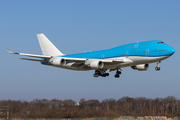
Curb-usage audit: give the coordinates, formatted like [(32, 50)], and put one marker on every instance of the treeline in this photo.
[(126, 106)]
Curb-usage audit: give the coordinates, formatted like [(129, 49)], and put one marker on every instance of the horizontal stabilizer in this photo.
[(29, 55)]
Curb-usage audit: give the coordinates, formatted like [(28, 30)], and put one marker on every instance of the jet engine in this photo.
[(141, 67), (59, 62), (96, 65)]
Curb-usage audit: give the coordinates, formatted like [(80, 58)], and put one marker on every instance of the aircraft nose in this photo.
[(172, 50)]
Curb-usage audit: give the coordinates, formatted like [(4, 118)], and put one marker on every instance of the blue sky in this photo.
[(78, 26)]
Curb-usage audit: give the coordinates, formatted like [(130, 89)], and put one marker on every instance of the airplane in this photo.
[(137, 55)]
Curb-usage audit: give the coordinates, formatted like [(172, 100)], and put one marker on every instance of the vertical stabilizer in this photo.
[(47, 47)]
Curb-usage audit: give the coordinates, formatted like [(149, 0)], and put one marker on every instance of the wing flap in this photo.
[(119, 60), (33, 55), (34, 60), (78, 60), (126, 60), (87, 61)]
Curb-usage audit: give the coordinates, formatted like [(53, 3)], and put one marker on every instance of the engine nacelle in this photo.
[(59, 62), (141, 67), (96, 65)]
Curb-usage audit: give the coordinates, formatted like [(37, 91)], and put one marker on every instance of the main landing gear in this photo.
[(100, 73), (103, 73), (158, 68), (117, 75)]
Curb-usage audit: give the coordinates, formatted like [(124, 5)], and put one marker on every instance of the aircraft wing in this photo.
[(76, 60), (29, 55)]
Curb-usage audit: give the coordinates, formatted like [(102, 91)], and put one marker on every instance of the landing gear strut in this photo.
[(117, 75), (157, 68), (100, 73)]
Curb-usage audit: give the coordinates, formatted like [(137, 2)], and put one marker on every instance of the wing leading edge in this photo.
[(79, 60)]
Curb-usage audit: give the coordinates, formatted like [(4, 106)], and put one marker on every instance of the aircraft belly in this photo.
[(134, 60), (144, 60)]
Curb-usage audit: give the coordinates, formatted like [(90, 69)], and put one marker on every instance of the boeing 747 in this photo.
[(138, 56)]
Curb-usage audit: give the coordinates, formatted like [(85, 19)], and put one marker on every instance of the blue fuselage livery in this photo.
[(153, 48), (137, 55)]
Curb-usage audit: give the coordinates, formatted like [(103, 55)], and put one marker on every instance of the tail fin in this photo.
[(47, 47)]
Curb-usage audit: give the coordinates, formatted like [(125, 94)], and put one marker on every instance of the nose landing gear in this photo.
[(158, 68)]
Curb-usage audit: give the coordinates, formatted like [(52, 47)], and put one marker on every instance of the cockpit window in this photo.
[(160, 42)]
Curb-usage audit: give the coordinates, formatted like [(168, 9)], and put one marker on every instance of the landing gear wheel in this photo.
[(107, 74), (157, 68), (116, 75), (95, 75), (100, 73)]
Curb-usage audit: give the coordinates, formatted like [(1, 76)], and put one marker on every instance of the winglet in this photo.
[(11, 52)]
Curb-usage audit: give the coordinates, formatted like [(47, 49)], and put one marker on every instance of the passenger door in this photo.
[(147, 52)]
